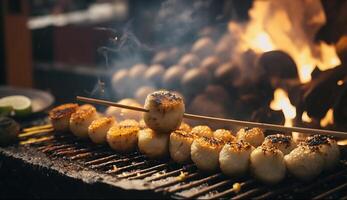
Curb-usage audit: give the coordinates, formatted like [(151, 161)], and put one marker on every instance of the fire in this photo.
[(289, 26), (328, 119), (282, 102)]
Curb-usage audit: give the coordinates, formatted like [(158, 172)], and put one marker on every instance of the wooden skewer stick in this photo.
[(229, 121)]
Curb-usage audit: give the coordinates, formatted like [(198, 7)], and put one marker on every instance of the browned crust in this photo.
[(210, 142), (101, 121), (183, 134), (128, 123), (278, 139), (239, 146), (63, 111), (165, 100), (201, 129), (83, 112), (269, 149)]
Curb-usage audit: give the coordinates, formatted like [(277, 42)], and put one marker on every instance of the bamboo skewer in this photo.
[(229, 121)]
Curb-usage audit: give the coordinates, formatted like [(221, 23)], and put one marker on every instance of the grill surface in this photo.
[(136, 171)]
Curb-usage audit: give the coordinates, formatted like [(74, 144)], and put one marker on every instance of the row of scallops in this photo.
[(267, 158)]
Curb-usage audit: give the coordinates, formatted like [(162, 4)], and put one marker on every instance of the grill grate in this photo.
[(180, 181)]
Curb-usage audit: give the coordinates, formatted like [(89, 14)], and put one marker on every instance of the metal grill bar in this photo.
[(165, 176)]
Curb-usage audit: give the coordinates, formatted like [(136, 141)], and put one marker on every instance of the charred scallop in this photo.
[(123, 137), (81, 120), (97, 130), (205, 153), (166, 111), (153, 144), (60, 116), (267, 164), (180, 145), (254, 136), (282, 142)]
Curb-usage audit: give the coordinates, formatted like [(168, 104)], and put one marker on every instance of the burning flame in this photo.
[(289, 26), (282, 102), (328, 119)]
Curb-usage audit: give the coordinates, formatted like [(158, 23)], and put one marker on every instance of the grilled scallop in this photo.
[(185, 127), (254, 136), (328, 148), (202, 131), (267, 164), (81, 119), (60, 116), (98, 129), (281, 142), (123, 137), (153, 144), (122, 113), (224, 135), (180, 145), (305, 162), (166, 111), (205, 153), (234, 158)]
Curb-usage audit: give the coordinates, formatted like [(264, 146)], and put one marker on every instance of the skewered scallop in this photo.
[(305, 162), (224, 135), (281, 142), (267, 164), (81, 119), (166, 111), (205, 153), (328, 148), (98, 129), (254, 136), (153, 144), (180, 145), (234, 158), (202, 131), (123, 137), (123, 114), (60, 116)]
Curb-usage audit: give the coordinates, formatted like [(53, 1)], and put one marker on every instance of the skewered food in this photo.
[(123, 137), (210, 63), (305, 161), (166, 111), (234, 158), (328, 147), (203, 47), (202, 131), (137, 70), (9, 130), (142, 92), (155, 73), (224, 135), (60, 116), (281, 142), (267, 164), (98, 129), (180, 145), (205, 153), (81, 119), (172, 77), (254, 136), (153, 144), (123, 114), (189, 60), (194, 81)]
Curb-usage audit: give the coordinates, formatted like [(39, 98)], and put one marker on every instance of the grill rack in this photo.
[(181, 181)]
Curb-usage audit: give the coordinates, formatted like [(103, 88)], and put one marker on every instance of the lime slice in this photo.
[(20, 104)]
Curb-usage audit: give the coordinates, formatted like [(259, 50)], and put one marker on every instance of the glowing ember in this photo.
[(328, 119), (305, 117), (282, 102)]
